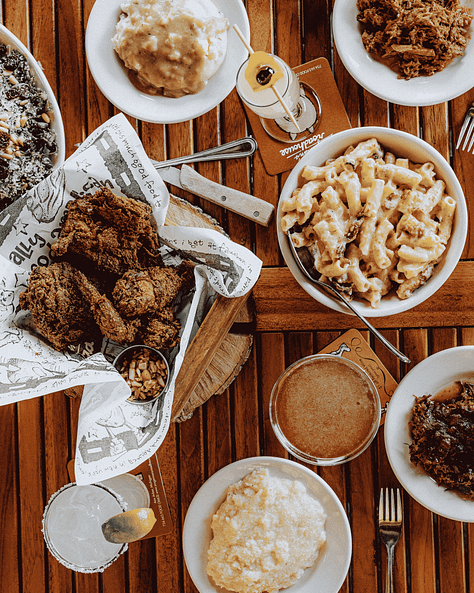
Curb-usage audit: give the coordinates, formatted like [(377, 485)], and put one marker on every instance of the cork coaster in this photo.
[(352, 345)]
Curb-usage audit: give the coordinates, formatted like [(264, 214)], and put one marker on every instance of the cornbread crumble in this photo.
[(27, 141), (265, 534)]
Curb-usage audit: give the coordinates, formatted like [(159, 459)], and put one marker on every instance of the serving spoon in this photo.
[(314, 276), (235, 149)]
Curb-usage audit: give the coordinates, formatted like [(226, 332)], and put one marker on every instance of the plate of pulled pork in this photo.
[(429, 433), (419, 55)]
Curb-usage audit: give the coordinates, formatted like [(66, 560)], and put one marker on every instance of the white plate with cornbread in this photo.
[(328, 572), (112, 76)]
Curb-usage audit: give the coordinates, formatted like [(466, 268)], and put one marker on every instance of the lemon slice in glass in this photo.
[(129, 526)]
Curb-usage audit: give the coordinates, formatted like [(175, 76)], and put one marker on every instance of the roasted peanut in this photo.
[(145, 374)]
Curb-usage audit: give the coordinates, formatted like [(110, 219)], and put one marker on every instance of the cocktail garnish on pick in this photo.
[(262, 71), (263, 62)]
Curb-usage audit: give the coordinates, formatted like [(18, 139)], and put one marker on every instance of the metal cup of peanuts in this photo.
[(145, 370)]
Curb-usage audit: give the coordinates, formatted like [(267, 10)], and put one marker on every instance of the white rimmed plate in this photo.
[(427, 378), (382, 82), (332, 564), (112, 78), (401, 144), (7, 38)]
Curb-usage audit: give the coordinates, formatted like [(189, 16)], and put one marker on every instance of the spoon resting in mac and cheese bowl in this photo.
[(377, 217)]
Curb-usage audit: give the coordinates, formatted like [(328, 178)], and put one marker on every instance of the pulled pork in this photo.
[(443, 440), (419, 37)]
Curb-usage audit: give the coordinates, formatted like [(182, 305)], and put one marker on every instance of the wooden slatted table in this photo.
[(435, 555)]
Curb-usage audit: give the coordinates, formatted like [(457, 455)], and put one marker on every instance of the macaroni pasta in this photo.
[(371, 221)]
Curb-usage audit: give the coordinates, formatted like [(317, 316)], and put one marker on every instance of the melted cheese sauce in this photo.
[(171, 47)]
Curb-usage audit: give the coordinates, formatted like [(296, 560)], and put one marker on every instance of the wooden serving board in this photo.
[(214, 358), (183, 213)]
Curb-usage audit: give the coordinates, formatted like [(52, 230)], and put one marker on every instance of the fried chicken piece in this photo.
[(114, 232), (170, 280), (150, 293), (57, 307), (105, 315), (161, 332), (134, 293), (166, 315), (146, 291)]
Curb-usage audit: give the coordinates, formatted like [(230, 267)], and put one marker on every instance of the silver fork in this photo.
[(467, 129), (390, 528)]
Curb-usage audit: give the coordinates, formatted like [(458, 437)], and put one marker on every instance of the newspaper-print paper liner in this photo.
[(113, 436)]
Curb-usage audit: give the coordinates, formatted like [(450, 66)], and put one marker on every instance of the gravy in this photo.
[(327, 408), (171, 47)]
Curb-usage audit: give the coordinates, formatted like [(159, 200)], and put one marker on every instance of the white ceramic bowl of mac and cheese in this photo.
[(386, 220)]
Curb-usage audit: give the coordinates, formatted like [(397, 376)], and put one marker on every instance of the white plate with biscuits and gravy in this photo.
[(119, 83)]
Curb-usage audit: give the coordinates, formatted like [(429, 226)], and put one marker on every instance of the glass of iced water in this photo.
[(301, 100), (73, 518)]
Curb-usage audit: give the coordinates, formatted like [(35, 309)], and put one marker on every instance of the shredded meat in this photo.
[(443, 440), (421, 37)]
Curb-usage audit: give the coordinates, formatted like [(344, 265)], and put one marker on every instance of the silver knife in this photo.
[(239, 202)]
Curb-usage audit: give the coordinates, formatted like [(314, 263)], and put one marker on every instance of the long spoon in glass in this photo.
[(313, 275)]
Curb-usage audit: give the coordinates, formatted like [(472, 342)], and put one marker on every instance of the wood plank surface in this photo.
[(281, 303), (434, 555)]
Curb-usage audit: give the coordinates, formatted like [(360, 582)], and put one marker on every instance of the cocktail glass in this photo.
[(131, 488), (72, 524), (301, 100)]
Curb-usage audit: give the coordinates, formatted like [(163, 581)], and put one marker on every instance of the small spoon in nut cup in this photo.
[(137, 378)]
